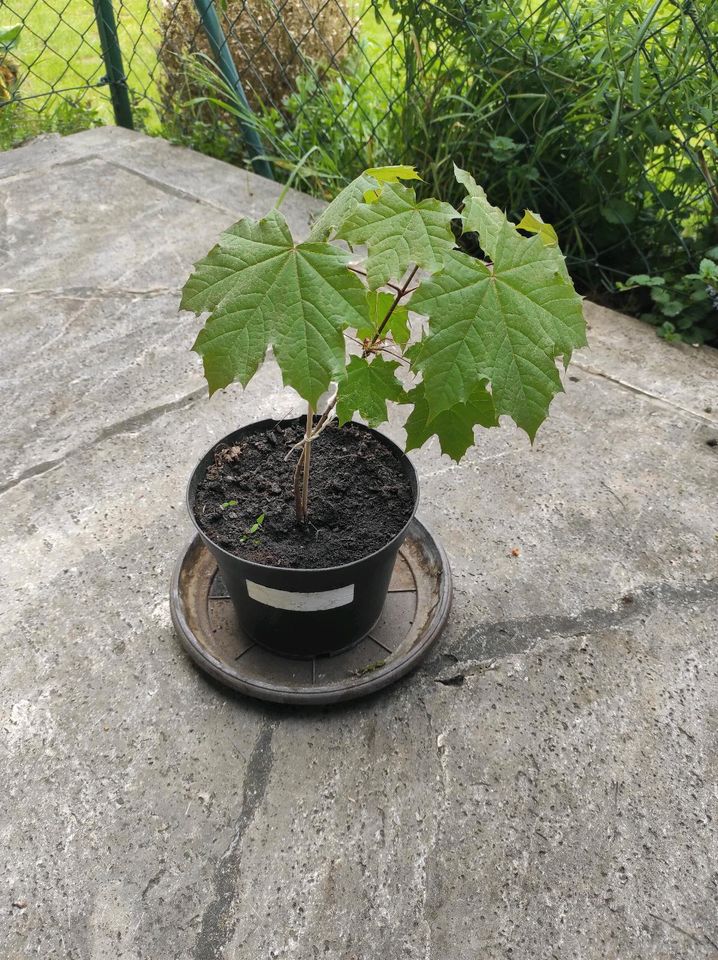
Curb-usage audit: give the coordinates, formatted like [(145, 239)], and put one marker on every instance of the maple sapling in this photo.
[(492, 328)]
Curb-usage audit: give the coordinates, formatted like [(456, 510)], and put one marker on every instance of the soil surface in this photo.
[(359, 498)]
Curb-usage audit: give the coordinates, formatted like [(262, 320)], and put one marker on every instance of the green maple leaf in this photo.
[(261, 289), (454, 427), (366, 388), (393, 174), (388, 175), (400, 231), (490, 223), (345, 202), (505, 324), (478, 214), (397, 325), (532, 223), (368, 187)]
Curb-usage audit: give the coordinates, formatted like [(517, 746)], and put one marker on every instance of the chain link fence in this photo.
[(600, 115)]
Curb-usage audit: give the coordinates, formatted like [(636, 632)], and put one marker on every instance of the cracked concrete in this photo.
[(217, 925), (552, 795), (128, 425)]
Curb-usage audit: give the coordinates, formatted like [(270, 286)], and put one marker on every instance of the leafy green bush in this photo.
[(683, 307), (322, 120), (602, 116)]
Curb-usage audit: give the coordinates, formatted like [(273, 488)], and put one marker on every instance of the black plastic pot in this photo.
[(305, 613)]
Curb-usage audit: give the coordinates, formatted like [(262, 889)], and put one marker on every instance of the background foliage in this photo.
[(601, 115)]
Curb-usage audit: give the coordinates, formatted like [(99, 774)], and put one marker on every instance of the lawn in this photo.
[(59, 48)]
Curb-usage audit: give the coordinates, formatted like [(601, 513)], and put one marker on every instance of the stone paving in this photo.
[(543, 787)]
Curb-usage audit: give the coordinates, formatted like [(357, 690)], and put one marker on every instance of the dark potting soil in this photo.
[(359, 498)]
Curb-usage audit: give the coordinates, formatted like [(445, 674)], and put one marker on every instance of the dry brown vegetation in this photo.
[(270, 42)]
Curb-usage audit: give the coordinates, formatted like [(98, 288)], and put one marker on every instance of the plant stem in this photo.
[(297, 483), (301, 471), (323, 419), (362, 273), (307, 460), (395, 303)]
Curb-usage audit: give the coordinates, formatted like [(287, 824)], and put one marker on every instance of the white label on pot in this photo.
[(288, 600)]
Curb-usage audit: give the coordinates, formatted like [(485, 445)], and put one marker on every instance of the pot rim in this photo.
[(304, 570)]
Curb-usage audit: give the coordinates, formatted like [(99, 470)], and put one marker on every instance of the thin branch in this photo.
[(386, 348), (396, 356), (325, 416), (297, 485), (357, 270), (390, 283), (402, 292), (307, 461)]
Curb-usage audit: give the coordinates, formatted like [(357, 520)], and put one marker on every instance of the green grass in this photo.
[(18, 123), (59, 51)]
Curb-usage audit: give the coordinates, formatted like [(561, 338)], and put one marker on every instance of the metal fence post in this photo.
[(225, 63), (112, 55)]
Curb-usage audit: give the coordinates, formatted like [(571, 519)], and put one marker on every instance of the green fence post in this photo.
[(112, 55), (225, 63)]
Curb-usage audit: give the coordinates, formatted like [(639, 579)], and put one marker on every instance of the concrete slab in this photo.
[(543, 787)]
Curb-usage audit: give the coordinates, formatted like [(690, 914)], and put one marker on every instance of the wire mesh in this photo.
[(56, 52), (601, 116)]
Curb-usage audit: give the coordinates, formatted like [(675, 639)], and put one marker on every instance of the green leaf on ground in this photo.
[(398, 324), (398, 231), (262, 289), (505, 324), (454, 427), (365, 389)]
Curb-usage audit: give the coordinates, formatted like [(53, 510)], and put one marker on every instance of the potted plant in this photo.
[(305, 516)]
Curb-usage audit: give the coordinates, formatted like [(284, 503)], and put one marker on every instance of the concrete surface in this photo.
[(555, 799)]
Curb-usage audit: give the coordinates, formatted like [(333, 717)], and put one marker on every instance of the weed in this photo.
[(257, 525), (682, 306)]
